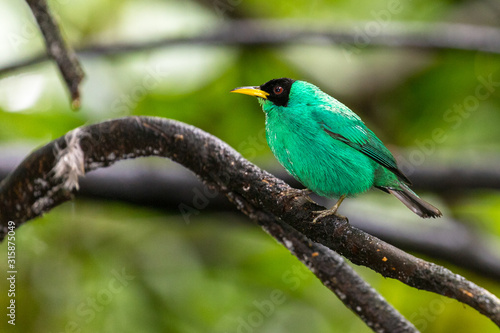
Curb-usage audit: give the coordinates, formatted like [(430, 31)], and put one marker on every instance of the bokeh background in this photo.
[(108, 266)]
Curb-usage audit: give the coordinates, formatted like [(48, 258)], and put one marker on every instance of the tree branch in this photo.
[(427, 36), (49, 176), (332, 271), (458, 244), (327, 265), (57, 49)]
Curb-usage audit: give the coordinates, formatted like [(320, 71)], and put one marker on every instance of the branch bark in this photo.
[(333, 272), (58, 50), (457, 243), (50, 175), (426, 36)]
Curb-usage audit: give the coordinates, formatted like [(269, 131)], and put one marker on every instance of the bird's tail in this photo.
[(413, 202)]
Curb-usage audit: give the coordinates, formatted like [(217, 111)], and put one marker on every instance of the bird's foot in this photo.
[(302, 195), (326, 212), (331, 211)]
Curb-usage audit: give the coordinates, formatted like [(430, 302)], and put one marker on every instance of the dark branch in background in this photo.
[(426, 36), (457, 243), (57, 49), (49, 175), (453, 179), (493, 5)]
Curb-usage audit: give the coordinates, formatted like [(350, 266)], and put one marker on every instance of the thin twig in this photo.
[(48, 177), (427, 36), (58, 50)]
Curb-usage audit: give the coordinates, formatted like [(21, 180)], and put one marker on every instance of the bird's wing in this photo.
[(348, 128)]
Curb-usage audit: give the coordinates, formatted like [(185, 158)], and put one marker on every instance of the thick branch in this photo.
[(327, 265), (426, 36), (457, 243), (333, 271), (57, 49), (49, 175)]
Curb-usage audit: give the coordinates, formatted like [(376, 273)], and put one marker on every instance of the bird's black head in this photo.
[(278, 90)]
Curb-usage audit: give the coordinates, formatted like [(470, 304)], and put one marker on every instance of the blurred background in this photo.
[(116, 260)]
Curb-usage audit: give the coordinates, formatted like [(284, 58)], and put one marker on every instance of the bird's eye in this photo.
[(278, 90)]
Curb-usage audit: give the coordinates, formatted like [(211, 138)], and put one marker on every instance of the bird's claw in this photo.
[(331, 211), (325, 213)]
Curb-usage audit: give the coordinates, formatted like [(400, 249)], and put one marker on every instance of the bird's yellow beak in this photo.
[(252, 91)]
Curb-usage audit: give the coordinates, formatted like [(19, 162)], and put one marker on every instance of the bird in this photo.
[(327, 147)]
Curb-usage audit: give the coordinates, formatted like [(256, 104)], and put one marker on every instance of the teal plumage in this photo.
[(327, 147)]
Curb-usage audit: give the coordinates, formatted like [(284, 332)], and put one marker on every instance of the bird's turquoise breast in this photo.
[(322, 164)]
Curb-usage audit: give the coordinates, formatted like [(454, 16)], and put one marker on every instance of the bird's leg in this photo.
[(331, 211), (303, 195)]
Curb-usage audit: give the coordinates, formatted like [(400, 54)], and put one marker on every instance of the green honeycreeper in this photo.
[(327, 147)]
